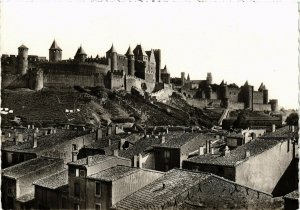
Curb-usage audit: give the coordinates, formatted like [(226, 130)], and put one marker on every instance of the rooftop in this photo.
[(114, 173), (25, 198), (292, 195), (54, 181), (54, 46), (194, 187), (283, 132), (27, 167), (237, 155), (93, 160), (162, 190), (46, 142), (183, 138)]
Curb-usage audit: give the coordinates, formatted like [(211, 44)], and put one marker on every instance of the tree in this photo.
[(292, 119)]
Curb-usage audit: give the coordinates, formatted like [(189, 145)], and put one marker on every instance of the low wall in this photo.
[(132, 81), (261, 107), (59, 80), (202, 103), (234, 105), (14, 81)]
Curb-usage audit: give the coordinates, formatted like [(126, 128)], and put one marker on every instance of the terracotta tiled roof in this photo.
[(44, 143), (283, 132), (28, 167), (25, 198), (162, 190), (237, 155), (184, 138), (114, 173), (54, 181), (292, 195)]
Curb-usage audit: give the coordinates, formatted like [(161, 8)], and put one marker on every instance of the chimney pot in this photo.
[(163, 139), (116, 152), (34, 141), (273, 128), (201, 150), (248, 154)]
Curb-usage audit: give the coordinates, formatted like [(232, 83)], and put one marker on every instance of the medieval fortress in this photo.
[(136, 68)]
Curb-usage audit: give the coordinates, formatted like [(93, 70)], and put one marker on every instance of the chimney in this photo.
[(67, 126), (34, 140), (20, 137), (201, 150), (8, 134), (36, 129), (108, 130), (212, 150), (247, 153), (88, 160), (98, 134), (32, 126), (46, 132), (116, 152), (227, 151), (109, 142), (74, 156), (167, 130), (135, 160), (163, 139), (122, 142), (140, 160), (208, 146), (28, 126), (293, 128), (54, 130), (273, 128)]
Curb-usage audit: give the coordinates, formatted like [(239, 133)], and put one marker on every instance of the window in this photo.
[(76, 190), (77, 172), (166, 156), (98, 206), (98, 189), (74, 147), (82, 173)]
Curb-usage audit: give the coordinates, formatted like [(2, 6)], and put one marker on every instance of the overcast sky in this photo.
[(236, 42)]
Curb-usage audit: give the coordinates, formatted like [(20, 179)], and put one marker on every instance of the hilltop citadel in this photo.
[(136, 68)]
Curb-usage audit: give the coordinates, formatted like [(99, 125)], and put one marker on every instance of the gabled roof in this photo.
[(54, 46), (22, 47), (30, 166), (292, 195), (94, 160), (54, 181), (114, 173), (237, 155)]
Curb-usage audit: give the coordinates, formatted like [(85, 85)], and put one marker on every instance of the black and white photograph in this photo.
[(149, 104)]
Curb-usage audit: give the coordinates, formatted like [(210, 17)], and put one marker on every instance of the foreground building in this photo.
[(260, 164), (181, 189)]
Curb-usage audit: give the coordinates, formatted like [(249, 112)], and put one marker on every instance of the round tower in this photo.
[(80, 55), (274, 105), (39, 80), (55, 52), (22, 59), (114, 58), (209, 78), (157, 55), (130, 57), (208, 92), (182, 78), (265, 96)]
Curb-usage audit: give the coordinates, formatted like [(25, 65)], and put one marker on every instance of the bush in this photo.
[(292, 119)]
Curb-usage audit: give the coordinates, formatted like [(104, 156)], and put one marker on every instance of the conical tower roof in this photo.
[(188, 77), (54, 46), (112, 49), (138, 50), (22, 47), (129, 51), (80, 51), (246, 83), (164, 70)]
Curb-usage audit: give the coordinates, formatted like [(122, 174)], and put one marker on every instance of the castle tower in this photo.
[(182, 78), (39, 80), (262, 88), (112, 55), (80, 55), (157, 55), (209, 78), (130, 56), (188, 78), (22, 59), (55, 52), (208, 92), (274, 105), (248, 95)]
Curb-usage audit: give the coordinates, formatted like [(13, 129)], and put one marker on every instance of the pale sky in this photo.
[(236, 42)]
